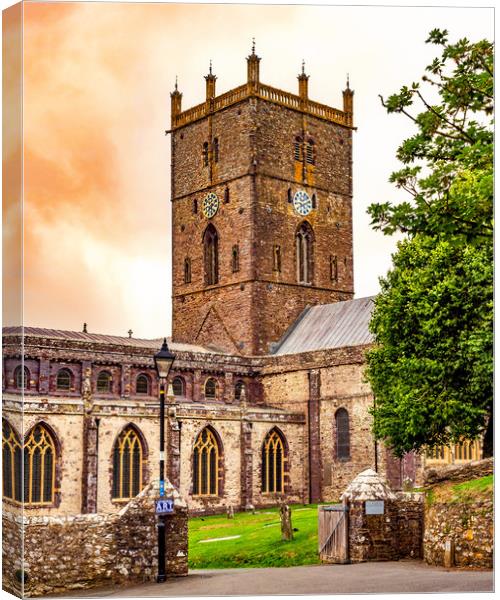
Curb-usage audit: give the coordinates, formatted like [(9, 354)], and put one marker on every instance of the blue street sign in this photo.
[(162, 487), (164, 506)]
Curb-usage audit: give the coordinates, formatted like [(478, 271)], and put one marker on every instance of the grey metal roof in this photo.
[(325, 326), (79, 336)]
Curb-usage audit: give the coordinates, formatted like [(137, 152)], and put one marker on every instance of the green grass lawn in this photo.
[(259, 544)]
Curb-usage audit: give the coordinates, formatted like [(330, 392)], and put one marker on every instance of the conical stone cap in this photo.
[(368, 485)]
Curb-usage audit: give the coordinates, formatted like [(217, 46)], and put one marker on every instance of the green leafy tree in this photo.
[(431, 368)]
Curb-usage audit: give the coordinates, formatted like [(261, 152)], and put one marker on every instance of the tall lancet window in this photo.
[(304, 239), (211, 251)]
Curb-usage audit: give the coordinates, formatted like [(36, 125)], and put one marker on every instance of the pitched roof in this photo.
[(326, 326), (99, 338)]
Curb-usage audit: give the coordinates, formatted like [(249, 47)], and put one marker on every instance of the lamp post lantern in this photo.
[(163, 363)]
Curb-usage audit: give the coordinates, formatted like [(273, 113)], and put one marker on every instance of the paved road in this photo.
[(391, 577)]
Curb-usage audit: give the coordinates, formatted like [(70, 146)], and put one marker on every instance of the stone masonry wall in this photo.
[(469, 527), (84, 551), (466, 526)]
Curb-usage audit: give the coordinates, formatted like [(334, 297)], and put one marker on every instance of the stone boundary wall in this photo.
[(467, 528), (84, 551), (464, 472), (394, 535)]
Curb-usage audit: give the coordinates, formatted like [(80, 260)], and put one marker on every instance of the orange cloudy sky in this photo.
[(97, 79)]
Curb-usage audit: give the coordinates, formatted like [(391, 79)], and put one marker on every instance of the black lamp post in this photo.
[(163, 363)]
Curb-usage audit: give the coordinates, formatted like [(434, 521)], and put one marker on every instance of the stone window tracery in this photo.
[(304, 239), (343, 450), (128, 457), (273, 463), (12, 457), (39, 466), (206, 454)]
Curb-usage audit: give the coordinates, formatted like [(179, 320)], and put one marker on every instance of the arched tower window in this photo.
[(205, 154), (63, 381), (39, 466), (211, 252), (238, 389), (11, 463), (342, 434), (178, 387), (277, 258), (128, 457), (235, 258), (310, 152), (104, 382), (211, 389), (273, 463), (187, 270), (297, 149), (206, 454), (22, 378), (304, 239), (142, 384)]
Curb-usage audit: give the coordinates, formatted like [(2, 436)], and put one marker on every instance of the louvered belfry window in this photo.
[(39, 467), (22, 378), (127, 465), (104, 382), (178, 386), (142, 384), (342, 428), (273, 464), (206, 464), (12, 457)]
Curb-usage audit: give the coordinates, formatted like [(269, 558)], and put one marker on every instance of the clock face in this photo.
[(210, 205), (302, 203)]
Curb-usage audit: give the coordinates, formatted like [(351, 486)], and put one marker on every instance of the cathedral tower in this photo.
[(262, 219)]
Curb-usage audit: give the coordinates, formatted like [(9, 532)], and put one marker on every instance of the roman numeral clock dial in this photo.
[(302, 203)]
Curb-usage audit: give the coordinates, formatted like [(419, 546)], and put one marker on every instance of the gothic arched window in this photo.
[(206, 454), (178, 387), (11, 462), (211, 252), (304, 239), (277, 258), (235, 258), (211, 389), (142, 384), (342, 434), (104, 382), (273, 463), (187, 270), (22, 378), (205, 154), (63, 381), (128, 457), (39, 466)]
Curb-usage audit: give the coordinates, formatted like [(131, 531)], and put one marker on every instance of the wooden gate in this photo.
[(333, 532)]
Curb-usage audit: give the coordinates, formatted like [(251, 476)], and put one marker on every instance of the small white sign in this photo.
[(374, 507)]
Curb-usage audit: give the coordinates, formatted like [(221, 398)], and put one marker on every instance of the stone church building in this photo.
[(267, 399)]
